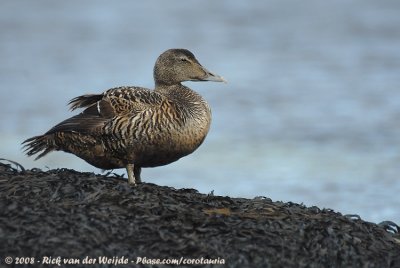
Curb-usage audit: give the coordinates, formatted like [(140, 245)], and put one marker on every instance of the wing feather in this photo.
[(132, 100), (101, 108), (89, 121)]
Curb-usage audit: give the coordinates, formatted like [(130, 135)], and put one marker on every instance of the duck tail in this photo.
[(42, 144)]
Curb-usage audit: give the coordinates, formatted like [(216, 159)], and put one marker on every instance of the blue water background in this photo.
[(311, 113)]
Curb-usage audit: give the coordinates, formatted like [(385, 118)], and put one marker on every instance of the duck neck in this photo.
[(178, 92), (187, 99)]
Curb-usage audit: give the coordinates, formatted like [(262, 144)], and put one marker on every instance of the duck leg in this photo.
[(133, 174), (136, 171)]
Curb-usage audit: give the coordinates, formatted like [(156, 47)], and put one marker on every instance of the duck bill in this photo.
[(209, 76)]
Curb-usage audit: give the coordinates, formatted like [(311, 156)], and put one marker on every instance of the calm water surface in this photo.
[(310, 114)]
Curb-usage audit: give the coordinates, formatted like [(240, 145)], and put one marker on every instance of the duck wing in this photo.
[(102, 108)]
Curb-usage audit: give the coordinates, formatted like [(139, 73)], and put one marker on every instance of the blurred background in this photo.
[(310, 114)]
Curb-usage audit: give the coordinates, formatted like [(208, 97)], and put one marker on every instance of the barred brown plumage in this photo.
[(134, 127)]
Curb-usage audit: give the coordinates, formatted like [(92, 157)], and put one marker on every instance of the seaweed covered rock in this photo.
[(78, 216)]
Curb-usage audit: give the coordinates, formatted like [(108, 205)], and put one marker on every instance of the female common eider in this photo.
[(134, 127)]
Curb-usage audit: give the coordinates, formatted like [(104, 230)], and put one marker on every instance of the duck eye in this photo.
[(184, 59)]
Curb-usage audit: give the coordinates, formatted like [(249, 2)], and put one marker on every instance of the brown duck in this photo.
[(134, 127)]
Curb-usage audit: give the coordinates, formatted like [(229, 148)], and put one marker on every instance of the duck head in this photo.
[(178, 65)]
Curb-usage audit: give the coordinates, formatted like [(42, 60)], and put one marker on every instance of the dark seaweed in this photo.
[(73, 214)]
